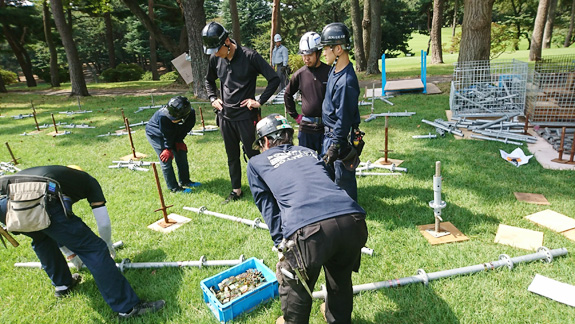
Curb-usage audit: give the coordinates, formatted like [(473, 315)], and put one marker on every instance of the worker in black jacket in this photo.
[(322, 227), (237, 110), (310, 80)]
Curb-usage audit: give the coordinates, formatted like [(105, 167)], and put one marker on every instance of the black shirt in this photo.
[(238, 81), (311, 83)]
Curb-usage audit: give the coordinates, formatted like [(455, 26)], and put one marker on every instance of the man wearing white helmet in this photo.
[(280, 60), (310, 80)]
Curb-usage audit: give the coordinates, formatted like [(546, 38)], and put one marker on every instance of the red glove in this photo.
[(166, 155), (298, 119), (181, 147)]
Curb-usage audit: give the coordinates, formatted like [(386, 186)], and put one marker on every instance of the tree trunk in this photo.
[(54, 76), (537, 37), (548, 33), (366, 25), (21, 55), (110, 39), (437, 22), (275, 23), (360, 62), (571, 23), (375, 35), (142, 16), (454, 24), (476, 31), (235, 21), (153, 53), (2, 86), (76, 73), (195, 20)]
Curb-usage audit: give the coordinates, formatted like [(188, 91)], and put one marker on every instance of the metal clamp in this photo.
[(256, 223), (423, 275), (202, 210), (547, 252), (202, 260)]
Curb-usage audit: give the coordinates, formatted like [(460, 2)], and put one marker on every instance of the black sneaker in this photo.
[(181, 190), (192, 184), (76, 278), (232, 197), (144, 307)]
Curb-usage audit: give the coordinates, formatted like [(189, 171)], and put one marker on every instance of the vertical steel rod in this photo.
[(124, 119), (385, 154), (202, 117), (164, 207), (437, 195), (12, 154), (526, 127), (130, 135), (54, 122), (572, 151), (34, 114)]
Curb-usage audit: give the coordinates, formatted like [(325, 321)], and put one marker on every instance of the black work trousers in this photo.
[(234, 132), (335, 245)]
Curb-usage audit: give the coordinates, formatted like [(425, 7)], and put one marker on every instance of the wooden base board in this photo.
[(60, 133), (131, 157), (553, 220), (160, 225), (519, 237), (531, 198), (389, 161), (454, 236), (570, 234)]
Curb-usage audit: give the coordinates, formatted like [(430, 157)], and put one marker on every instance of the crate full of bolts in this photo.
[(488, 88), (239, 289)]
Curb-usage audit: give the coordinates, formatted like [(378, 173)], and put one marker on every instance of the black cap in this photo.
[(213, 36)]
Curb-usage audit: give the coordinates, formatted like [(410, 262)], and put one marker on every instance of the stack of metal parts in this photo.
[(235, 286), (130, 165), (488, 88), (8, 167), (551, 91), (505, 129), (553, 137)]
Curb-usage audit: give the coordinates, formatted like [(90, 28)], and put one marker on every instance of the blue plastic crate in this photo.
[(245, 303)]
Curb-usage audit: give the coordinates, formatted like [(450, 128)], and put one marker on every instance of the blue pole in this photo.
[(424, 70), (382, 74)]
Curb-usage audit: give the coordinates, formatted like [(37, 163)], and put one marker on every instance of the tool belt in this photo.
[(312, 120)]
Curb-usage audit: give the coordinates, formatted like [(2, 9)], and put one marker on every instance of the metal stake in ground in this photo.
[(14, 160), (130, 135), (572, 151), (124, 119), (385, 150), (34, 114), (167, 222), (437, 204), (54, 122), (560, 150), (202, 118)]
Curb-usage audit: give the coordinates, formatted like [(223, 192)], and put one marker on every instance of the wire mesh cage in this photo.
[(488, 88), (551, 91)]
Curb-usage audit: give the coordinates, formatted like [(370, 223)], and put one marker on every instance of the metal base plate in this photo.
[(437, 234), (177, 219), (454, 235)]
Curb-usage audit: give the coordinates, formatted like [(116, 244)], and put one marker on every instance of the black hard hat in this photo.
[(178, 107), (214, 36), (270, 125), (336, 34)]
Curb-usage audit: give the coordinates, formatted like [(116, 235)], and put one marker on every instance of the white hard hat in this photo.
[(310, 42), (277, 38)]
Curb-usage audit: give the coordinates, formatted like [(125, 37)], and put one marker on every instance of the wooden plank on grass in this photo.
[(552, 220)]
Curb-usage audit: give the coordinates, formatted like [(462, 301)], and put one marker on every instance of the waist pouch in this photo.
[(26, 207)]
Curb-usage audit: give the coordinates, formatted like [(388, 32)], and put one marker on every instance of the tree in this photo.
[(235, 21), (537, 38), (195, 20), (110, 39), (16, 32), (548, 33), (375, 34), (360, 62), (437, 23), (275, 24), (54, 78), (476, 30), (571, 23), (76, 73), (2, 85), (153, 52), (366, 26)]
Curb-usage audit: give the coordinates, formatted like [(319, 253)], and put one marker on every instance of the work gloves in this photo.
[(72, 257), (181, 147), (166, 155), (332, 154)]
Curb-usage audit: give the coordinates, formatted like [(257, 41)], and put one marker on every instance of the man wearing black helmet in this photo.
[(310, 80), (318, 218), (340, 113), (237, 110), (166, 131)]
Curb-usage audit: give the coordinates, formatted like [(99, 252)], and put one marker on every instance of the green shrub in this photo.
[(147, 76), (44, 74), (170, 76), (8, 77), (295, 62), (123, 72)]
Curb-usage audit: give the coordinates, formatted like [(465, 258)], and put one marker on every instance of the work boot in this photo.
[(322, 309), (181, 190), (280, 320), (143, 307), (76, 278), (232, 197)]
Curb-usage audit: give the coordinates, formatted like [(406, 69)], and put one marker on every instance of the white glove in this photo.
[(111, 249), (72, 257)]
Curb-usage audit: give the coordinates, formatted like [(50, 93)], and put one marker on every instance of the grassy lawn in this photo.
[(478, 188)]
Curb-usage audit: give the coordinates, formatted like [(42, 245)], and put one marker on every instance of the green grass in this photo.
[(478, 187)]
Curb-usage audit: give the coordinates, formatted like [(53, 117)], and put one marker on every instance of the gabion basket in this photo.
[(488, 88)]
